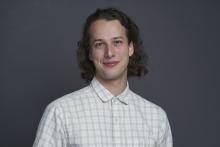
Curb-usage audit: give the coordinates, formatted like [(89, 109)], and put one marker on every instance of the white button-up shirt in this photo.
[(93, 117)]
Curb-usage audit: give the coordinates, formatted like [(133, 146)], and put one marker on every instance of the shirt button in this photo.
[(115, 100)]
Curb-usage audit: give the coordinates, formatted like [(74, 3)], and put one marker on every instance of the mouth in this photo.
[(110, 64)]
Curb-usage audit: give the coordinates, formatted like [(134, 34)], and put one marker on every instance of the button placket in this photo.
[(116, 127)]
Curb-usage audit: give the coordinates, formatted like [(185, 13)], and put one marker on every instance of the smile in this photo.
[(110, 64)]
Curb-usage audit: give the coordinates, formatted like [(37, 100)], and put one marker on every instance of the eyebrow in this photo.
[(114, 38), (97, 40), (119, 37)]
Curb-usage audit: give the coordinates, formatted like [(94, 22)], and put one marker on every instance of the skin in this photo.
[(110, 52)]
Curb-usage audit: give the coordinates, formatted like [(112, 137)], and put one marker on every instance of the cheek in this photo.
[(96, 56), (123, 51)]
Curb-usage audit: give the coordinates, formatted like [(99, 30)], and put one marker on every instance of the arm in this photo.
[(165, 135), (51, 132)]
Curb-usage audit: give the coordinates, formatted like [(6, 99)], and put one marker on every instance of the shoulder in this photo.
[(70, 101), (147, 106), (153, 115)]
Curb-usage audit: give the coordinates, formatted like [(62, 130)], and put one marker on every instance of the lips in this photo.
[(110, 64)]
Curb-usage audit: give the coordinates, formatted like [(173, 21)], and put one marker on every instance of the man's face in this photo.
[(109, 49)]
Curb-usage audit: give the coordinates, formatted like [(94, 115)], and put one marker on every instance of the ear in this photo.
[(131, 49)]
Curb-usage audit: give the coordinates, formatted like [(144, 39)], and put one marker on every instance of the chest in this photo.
[(109, 125)]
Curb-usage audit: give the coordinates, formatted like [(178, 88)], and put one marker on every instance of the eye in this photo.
[(117, 43), (98, 45)]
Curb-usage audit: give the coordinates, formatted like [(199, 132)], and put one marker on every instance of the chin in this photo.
[(112, 77)]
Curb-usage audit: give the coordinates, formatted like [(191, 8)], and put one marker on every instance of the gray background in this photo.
[(38, 63)]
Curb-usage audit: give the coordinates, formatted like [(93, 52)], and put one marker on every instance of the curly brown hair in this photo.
[(137, 62)]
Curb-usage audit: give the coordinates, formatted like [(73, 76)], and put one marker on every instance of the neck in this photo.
[(116, 87)]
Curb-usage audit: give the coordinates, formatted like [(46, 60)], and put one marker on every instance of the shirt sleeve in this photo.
[(165, 135), (50, 131)]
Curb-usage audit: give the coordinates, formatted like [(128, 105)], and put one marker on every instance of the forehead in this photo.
[(106, 29)]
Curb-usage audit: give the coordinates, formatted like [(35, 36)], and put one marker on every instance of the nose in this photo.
[(109, 51)]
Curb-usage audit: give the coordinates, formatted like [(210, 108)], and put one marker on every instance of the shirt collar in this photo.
[(105, 95)]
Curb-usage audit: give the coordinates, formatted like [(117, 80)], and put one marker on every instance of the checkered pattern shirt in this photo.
[(93, 117)]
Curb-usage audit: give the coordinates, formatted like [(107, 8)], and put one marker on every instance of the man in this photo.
[(106, 113)]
